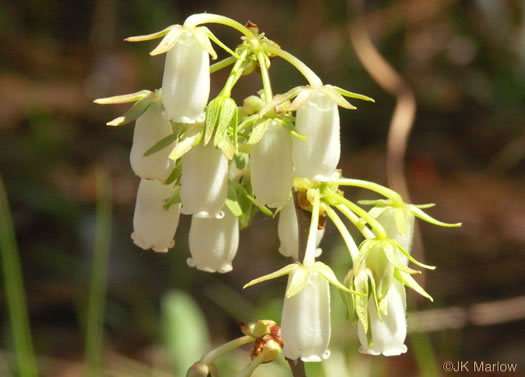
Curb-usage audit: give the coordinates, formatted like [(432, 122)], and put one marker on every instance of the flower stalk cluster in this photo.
[(221, 163)]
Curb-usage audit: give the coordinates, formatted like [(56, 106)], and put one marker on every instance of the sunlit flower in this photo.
[(288, 232), (388, 335), (214, 242), (151, 127), (305, 321), (272, 167), (317, 156), (186, 81), (153, 226), (204, 181)]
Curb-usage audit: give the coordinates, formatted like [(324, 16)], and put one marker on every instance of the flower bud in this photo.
[(149, 129), (213, 242), (204, 181), (272, 167), (288, 232), (153, 226), (317, 156), (388, 335), (305, 321), (186, 81)]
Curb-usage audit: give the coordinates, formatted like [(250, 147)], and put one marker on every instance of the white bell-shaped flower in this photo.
[(153, 226), (305, 321), (317, 156), (399, 225), (288, 232), (272, 167), (204, 181), (388, 335), (214, 242), (151, 127), (186, 81)]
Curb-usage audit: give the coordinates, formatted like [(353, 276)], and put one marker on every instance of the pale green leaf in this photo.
[(281, 272), (167, 43), (201, 34), (389, 248), (336, 97), (298, 281), (376, 202), (149, 37), (423, 216), (212, 117), (329, 275), (123, 98), (348, 94), (132, 114), (411, 258), (184, 145), (374, 291), (302, 98), (410, 282), (233, 202), (258, 131), (161, 144), (361, 302)]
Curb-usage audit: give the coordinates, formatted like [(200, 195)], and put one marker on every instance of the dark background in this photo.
[(464, 60)]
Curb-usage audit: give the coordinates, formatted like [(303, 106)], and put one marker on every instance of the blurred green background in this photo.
[(465, 62)]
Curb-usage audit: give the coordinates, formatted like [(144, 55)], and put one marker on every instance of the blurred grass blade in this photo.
[(97, 289), (184, 329), (14, 287)]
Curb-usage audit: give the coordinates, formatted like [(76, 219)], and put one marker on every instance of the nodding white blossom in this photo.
[(214, 242), (388, 335), (149, 129), (288, 232), (387, 219), (204, 181), (305, 321), (186, 80), (272, 167), (317, 156), (153, 226)]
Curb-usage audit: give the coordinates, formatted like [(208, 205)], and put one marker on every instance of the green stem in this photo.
[(265, 77), (378, 228), (210, 18), (222, 64), (385, 191), (234, 74), (356, 220), (97, 290), (227, 347), (349, 241), (313, 79), (14, 290), (309, 255), (252, 365)]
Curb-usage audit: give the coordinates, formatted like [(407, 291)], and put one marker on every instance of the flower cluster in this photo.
[(221, 163)]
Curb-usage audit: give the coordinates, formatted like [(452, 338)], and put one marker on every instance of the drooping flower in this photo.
[(288, 232), (305, 321), (388, 335), (153, 226), (272, 166), (214, 242), (151, 127), (204, 181), (186, 80), (317, 156)]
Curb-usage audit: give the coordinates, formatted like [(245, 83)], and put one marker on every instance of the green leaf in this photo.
[(227, 117), (132, 114), (233, 202), (258, 131), (170, 40), (184, 331), (374, 292), (149, 37), (175, 174), (302, 98), (281, 272), (212, 117), (329, 275), (411, 258), (298, 281), (423, 216), (282, 98), (348, 94), (183, 146), (175, 199), (161, 144), (391, 254), (410, 282), (123, 98), (361, 302), (336, 97)]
